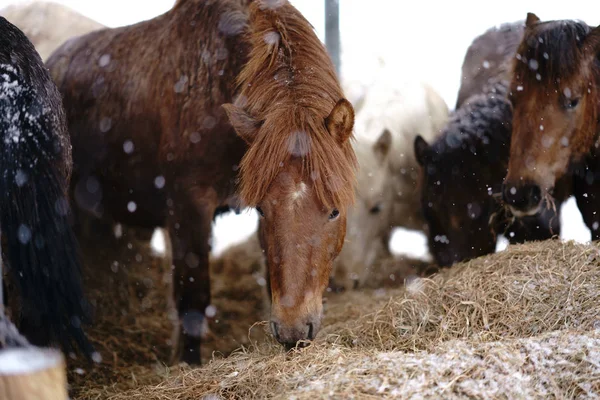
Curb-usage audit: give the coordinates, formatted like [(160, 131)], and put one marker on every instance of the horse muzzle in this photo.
[(524, 199), (296, 333)]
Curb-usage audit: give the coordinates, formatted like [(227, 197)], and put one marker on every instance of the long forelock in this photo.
[(549, 52), (289, 83), (276, 147)]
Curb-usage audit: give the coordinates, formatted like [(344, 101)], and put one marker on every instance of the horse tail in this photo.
[(41, 249)]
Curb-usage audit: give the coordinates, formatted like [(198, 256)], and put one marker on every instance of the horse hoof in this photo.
[(191, 356)]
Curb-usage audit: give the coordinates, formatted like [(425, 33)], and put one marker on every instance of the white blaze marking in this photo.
[(300, 192)]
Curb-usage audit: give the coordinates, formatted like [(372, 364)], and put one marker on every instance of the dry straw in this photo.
[(523, 323)]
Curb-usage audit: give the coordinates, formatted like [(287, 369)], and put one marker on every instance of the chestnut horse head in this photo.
[(554, 94), (299, 169)]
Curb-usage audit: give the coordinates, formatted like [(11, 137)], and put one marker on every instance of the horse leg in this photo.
[(189, 229), (586, 188)]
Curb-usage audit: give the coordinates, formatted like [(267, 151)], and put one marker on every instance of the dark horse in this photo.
[(462, 171), (39, 244), (488, 60), (153, 111), (556, 105)]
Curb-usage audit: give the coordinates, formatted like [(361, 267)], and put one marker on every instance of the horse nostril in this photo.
[(274, 330), (510, 193), (524, 197), (311, 331), (535, 194)]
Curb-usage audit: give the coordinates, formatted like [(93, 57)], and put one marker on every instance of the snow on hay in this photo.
[(527, 315)]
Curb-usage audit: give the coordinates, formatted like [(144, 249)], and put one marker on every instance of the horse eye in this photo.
[(260, 211), (334, 214), (376, 209), (571, 103)]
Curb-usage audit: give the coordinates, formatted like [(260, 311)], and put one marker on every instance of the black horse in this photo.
[(39, 247)]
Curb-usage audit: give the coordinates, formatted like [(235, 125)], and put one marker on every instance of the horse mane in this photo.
[(290, 85), (550, 50), (480, 129)]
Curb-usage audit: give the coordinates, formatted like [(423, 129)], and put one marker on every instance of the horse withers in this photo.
[(554, 93), (39, 244), (243, 100)]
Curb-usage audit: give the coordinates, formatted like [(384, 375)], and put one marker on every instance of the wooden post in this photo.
[(31, 373), (332, 33)]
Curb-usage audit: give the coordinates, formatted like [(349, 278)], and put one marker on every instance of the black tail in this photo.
[(42, 251)]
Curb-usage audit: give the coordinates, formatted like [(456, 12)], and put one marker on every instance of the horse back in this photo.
[(144, 100), (489, 58)]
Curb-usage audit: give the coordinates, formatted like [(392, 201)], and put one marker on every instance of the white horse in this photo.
[(47, 25), (387, 197)]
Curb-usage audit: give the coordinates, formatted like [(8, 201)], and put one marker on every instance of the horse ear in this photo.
[(421, 148), (340, 121), (592, 42), (243, 123), (531, 19), (383, 145)]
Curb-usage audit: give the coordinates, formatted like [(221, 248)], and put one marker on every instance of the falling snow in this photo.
[(232, 23), (181, 84), (195, 137), (128, 147), (210, 311), (533, 65), (441, 239), (159, 182), (104, 60), (131, 206), (105, 124), (21, 177), (272, 38), (24, 234)]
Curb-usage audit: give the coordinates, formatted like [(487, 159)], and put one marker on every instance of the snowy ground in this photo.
[(425, 40)]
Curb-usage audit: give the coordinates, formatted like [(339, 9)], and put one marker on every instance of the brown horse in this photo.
[(463, 169), (554, 93), (35, 164), (154, 109)]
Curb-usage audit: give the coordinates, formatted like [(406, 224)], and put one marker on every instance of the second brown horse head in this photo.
[(554, 93), (299, 169)]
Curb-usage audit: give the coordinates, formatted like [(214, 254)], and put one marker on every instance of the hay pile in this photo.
[(130, 288), (520, 323)]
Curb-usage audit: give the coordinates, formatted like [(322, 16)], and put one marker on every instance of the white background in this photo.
[(423, 40)]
